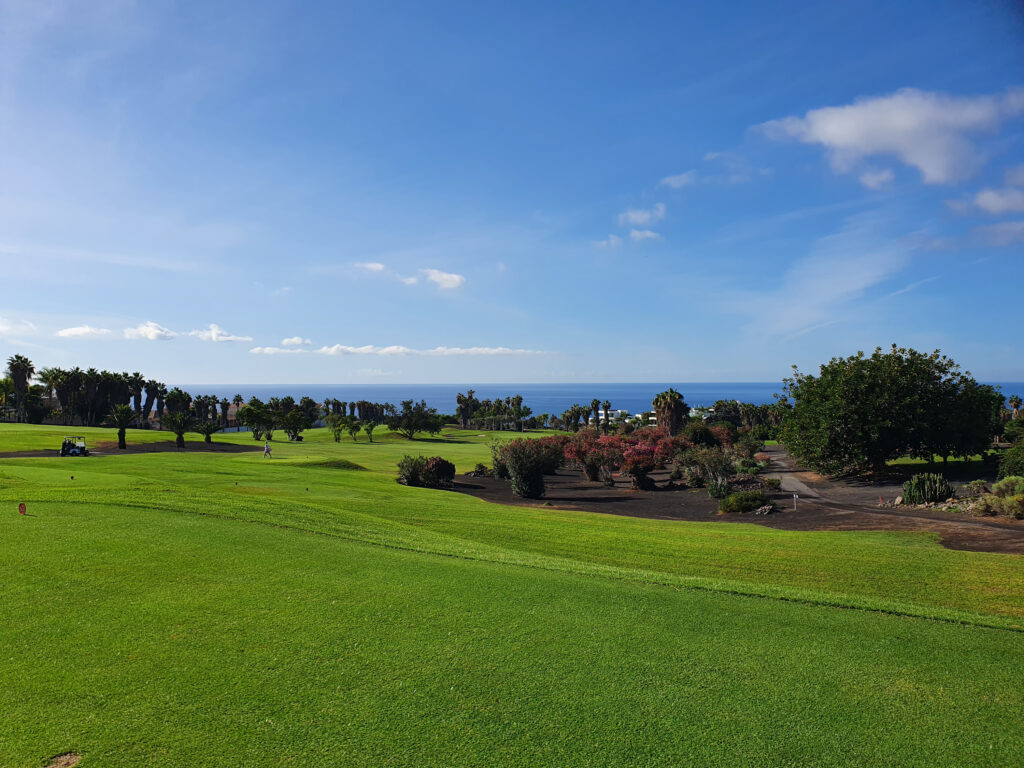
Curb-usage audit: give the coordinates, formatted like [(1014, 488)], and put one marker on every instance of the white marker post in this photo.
[(795, 497)]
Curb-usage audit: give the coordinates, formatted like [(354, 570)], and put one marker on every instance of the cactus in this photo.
[(926, 488)]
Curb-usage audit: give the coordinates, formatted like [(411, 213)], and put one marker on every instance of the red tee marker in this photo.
[(21, 508)]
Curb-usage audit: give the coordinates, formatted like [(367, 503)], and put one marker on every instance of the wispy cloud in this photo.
[(824, 287), (371, 266), (446, 281), (642, 216), (877, 179), (925, 130), (295, 341), (83, 332), (680, 180), (612, 241), (398, 350), (217, 334), (1002, 234), (1015, 176), (913, 286), (639, 235), (149, 331), (16, 327), (998, 201)]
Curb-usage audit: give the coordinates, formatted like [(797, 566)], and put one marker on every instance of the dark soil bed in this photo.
[(570, 490), (109, 448)]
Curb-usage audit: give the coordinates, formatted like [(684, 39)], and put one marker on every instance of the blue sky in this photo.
[(283, 192)]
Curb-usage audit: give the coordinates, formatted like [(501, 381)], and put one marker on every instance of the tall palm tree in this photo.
[(606, 406), (121, 417), (179, 422), (20, 369), (1016, 403), (595, 407), (6, 390), (136, 386), (671, 410), (152, 390)]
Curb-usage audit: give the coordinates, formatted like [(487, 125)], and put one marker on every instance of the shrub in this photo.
[(772, 483), (991, 504), (525, 461), (481, 470), (747, 445), (719, 489), (437, 473), (434, 472), (498, 461), (1013, 432), (926, 488), (725, 432), (973, 488), (743, 502), (638, 461), (749, 466), (699, 434), (1009, 486), (1012, 461), (410, 469), (693, 476)]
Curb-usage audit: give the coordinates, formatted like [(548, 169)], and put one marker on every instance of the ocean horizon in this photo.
[(542, 398)]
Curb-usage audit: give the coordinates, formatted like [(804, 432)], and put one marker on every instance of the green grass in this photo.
[(207, 609)]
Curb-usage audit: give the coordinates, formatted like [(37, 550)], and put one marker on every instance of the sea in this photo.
[(542, 398)]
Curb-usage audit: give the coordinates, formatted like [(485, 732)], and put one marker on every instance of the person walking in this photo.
[(266, 450)]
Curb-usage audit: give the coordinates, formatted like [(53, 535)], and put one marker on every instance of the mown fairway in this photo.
[(207, 609)]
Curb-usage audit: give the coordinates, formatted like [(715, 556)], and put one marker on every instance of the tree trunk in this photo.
[(120, 440), (179, 439), (207, 438)]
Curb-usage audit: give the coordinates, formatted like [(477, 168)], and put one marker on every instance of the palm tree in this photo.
[(595, 407), (671, 410), (368, 428), (238, 401), (121, 417), (20, 369), (1016, 403), (606, 407), (6, 390), (136, 386), (152, 391), (179, 422), (207, 429)]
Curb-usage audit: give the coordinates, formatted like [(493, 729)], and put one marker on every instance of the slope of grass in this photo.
[(222, 609)]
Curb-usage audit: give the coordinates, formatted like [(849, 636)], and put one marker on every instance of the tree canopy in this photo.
[(861, 411)]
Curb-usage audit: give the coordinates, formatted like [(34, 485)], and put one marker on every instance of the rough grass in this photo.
[(193, 609)]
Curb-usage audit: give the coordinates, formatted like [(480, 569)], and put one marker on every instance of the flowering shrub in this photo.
[(638, 461)]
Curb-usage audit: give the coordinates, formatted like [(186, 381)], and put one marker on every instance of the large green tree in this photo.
[(415, 417), (861, 411)]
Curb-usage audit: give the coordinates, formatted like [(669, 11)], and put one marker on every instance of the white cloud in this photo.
[(397, 350), (409, 280), (150, 331), (1002, 234), (371, 266), (82, 332), (876, 179), (928, 131), (639, 235), (277, 351), (641, 216), (612, 241), (1015, 176), (295, 341), (1000, 200), (680, 180), (444, 280), (217, 334), (16, 327)]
